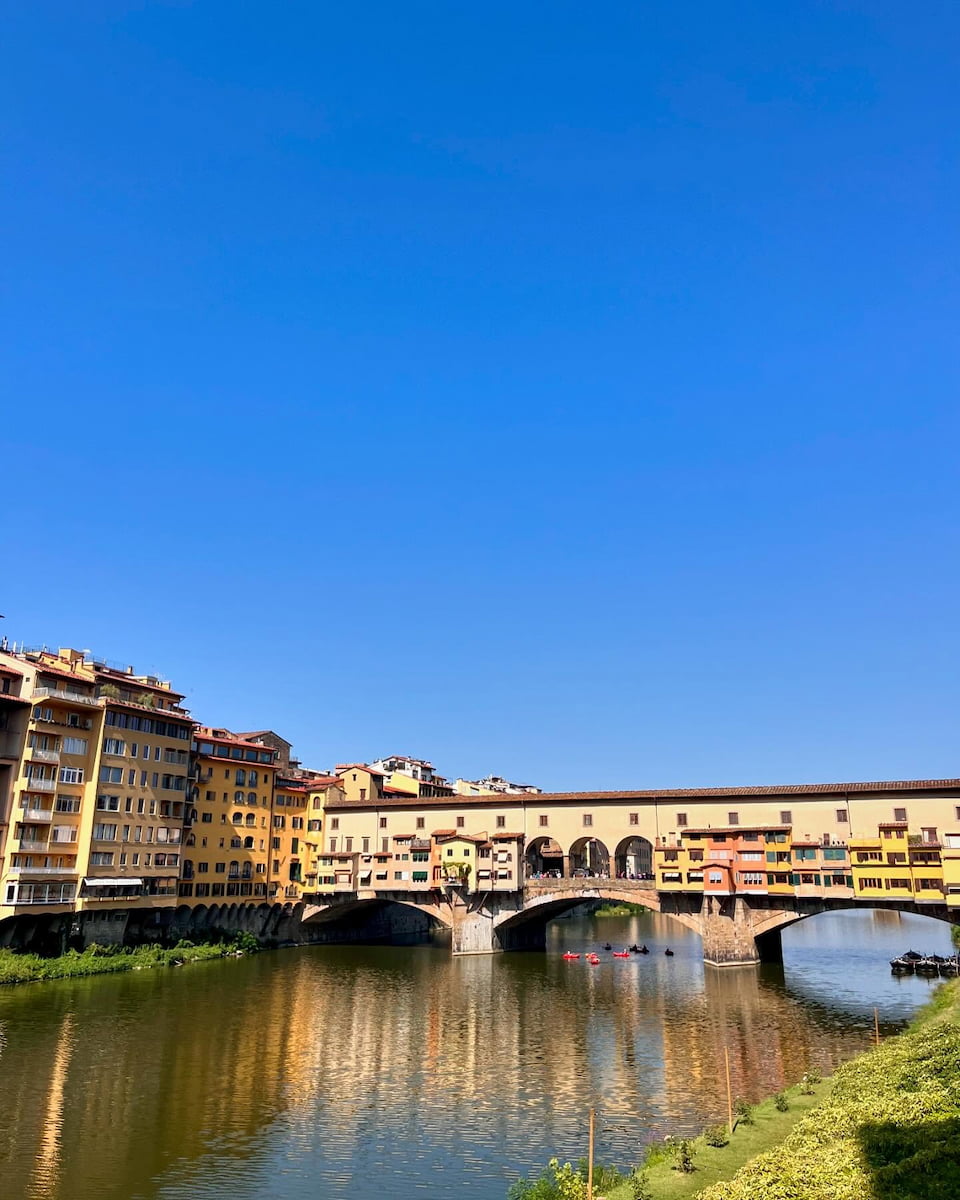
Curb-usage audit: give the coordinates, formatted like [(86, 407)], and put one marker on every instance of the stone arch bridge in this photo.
[(734, 930)]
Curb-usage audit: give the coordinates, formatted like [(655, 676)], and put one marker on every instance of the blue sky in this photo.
[(563, 391)]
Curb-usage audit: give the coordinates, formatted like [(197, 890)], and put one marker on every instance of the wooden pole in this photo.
[(590, 1160), (726, 1059), (876, 1027)]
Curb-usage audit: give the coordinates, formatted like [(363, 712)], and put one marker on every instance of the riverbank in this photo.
[(885, 1127), (106, 960), (619, 910)]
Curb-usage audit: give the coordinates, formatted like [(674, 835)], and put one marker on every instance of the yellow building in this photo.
[(951, 868), (678, 866), (230, 846), (98, 804)]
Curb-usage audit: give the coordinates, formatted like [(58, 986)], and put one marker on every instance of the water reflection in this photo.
[(358, 1071)]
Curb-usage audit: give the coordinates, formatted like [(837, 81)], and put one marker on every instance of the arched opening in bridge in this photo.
[(544, 857), (373, 922), (589, 856), (634, 859)]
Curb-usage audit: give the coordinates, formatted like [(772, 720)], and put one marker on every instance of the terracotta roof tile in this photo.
[(706, 794)]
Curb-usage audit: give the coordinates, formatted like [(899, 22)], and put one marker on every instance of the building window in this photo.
[(421, 822), (899, 814), (461, 821), (544, 820), (501, 822), (383, 822), (634, 818), (842, 817), (786, 816), (682, 819), (733, 818), (587, 820), (334, 822)]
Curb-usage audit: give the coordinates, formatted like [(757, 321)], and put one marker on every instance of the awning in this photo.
[(365, 876), (112, 883)]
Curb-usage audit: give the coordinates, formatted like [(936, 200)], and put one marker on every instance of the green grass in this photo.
[(104, 960), (619, 910), (888, 1130), (716, 1163), (886, 1126)]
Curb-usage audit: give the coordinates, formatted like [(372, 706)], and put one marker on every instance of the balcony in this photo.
[(49, 756), (420, 844), (41, 785), (21, 871), (37, 814), (67, 697), (27, 846)]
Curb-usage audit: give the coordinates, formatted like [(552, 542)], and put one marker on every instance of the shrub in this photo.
[(716, 1135), (780, 1102), (639, 1185), (682, 1156), (806, 1083), (743, 1112)]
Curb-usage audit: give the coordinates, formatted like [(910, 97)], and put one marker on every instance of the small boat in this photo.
[(912, 956), (950, 966), (634, 949), (594, 962), (643, 949), (569, 957), (928, 966), (902, 966), (607, 946), (669, 953), (621, 954)]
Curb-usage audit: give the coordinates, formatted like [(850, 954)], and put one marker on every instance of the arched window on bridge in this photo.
[(589, 856), (634, 859), (544, 856)]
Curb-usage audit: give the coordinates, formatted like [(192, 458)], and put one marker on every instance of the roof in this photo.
[(525, 800), (341, 767), (505, 837)]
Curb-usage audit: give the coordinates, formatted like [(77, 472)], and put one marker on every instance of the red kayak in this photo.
[(621, 954), (570, 957)]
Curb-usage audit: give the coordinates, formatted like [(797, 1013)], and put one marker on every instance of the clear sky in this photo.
[(564, 391)]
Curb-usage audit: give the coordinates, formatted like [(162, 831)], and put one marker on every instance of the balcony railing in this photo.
[(37, 814), (27, 845), (41, 871), (45, 693), (50, 756), (41, 785)]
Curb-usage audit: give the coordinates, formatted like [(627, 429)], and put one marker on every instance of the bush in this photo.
[(716, 1135), (743, 1113), (639, 1186), (682, 1156), (780, 1102)]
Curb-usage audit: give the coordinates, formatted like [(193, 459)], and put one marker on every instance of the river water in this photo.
[(373, 1072)]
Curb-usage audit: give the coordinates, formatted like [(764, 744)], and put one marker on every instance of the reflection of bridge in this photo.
[(734, 929)]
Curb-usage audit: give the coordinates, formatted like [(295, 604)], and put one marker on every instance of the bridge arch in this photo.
[(590, 855), (551, 902), (633, 858), (543, 856)]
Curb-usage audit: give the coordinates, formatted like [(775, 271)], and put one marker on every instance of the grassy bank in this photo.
[(619, 910), (889, 1129), (105, 960), (886, 1126), (714, 1163)]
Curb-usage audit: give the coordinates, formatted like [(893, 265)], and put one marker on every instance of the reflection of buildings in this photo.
[(335, 1051)]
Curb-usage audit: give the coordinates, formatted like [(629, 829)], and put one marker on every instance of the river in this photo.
[(373, 1072)]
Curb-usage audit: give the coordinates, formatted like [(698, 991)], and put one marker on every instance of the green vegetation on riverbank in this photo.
[(619, 910), (885, 1127), (103, 960)]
